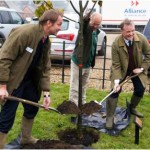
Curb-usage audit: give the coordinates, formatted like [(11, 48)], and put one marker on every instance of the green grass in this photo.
[(47, 124)]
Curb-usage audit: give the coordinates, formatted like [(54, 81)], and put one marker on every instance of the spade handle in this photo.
[(121, 84), (29, 102)]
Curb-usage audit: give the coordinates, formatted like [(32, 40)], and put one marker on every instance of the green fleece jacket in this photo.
[(89, 46)]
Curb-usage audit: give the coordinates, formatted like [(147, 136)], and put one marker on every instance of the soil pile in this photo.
[(72, 136), (90, 108), (69, 139), (68, 107), (51, 144)]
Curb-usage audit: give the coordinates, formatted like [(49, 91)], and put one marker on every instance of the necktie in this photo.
[(130, 43)]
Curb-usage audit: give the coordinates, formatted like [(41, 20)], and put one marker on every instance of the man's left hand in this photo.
[(138, 70), (46, 102)]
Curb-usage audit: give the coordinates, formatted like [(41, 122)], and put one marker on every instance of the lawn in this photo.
[(48, 123)]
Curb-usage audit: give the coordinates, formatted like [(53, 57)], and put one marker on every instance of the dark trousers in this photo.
[(138, 88), (7, 115)]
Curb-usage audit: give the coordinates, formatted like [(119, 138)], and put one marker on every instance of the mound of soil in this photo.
[(91, 107), (51, 144), (69, 139), (72, 136), (68, 107)]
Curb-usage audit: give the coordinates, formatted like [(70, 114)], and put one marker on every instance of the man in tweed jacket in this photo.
[(130, 56), (25, 72)]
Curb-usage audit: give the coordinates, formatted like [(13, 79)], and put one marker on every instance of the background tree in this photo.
[(43, 5)]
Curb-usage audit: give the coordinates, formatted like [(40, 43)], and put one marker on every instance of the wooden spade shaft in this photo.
[(29, 102), (121, 84)]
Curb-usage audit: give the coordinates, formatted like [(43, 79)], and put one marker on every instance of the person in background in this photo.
[(130, 56), (91, 25), (25, 72)]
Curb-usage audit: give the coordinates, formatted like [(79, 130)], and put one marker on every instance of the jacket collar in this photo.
[(41, 30), (121, 40), (97, 31)]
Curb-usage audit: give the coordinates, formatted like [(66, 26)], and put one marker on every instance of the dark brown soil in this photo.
[(72, 136), (68, 107), (51, 144), (69, 139), (90, 108)]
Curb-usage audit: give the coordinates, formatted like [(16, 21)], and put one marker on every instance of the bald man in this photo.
[(91, 24)]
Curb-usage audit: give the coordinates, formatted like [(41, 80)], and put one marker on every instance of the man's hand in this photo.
[(138, 70), (46, 100), (3, 92), (116, 87)]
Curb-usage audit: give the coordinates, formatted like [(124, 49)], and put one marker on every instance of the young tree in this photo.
[(43, 5)]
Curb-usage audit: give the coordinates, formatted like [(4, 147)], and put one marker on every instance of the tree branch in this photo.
[(71, 19), (74, 8), (85, 6)]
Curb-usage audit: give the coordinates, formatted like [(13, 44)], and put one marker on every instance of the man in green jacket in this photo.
[(91, 24), (130, 56), (25, 72)]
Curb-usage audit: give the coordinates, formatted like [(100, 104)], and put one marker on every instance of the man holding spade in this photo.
[(130, 56)]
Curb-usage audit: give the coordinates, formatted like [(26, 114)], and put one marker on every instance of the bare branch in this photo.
[(46, 3), (92, 8), (74, 8), (85, 6), (71, 19)]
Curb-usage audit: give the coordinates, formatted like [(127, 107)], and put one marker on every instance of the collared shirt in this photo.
[(127, 42)]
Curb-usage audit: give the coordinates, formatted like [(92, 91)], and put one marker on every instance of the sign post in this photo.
[(138, 125)]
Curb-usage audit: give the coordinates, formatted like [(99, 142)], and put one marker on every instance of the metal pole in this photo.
[(104, 68), (136, 134), (63, 63)]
